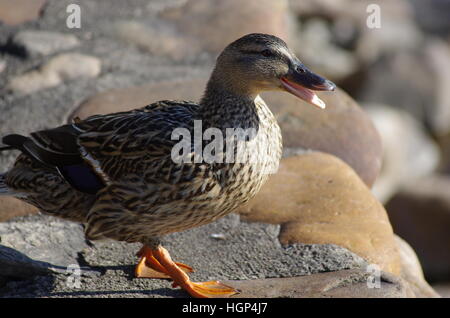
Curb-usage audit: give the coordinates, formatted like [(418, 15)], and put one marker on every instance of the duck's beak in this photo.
[(301, 82)]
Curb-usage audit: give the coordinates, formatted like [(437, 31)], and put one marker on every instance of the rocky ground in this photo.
[(319, 222)]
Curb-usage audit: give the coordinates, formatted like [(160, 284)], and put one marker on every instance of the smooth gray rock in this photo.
[(44, 239), (409, 152), (14, 264), (36, 42), (245, 251)]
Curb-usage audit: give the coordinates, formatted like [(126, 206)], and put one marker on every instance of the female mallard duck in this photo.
[(118, 174)]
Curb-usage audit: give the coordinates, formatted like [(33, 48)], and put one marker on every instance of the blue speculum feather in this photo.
[(82, 178)]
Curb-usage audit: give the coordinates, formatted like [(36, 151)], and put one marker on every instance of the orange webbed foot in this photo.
[(211, 289), (149, 267)]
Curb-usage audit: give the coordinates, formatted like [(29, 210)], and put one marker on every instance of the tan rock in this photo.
[(20, 11), (342, 129), (325, 202), (220, 22), (339, 284), (123, 99), (11, 207)]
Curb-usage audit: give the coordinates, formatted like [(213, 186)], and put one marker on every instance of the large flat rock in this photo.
[(227, 250)]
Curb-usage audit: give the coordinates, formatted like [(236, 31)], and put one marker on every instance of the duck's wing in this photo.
[(90, 153), (119, 143), (57, 149)]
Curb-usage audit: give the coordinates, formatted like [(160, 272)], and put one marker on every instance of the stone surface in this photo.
[(63, 67), (412, 271), (324, 201), (11, 207), (317, 50), (171, 32), (44, 42), (20, 11), (45, 239), (158, 41), (444, 144), (443, 289), (393, 81), (438, 58), (16, 265), (342, 129), (248, 251), (229, 20), (432, 15), (398, 31), (408, 151), (341, 284), (420, 214), (2, 65)]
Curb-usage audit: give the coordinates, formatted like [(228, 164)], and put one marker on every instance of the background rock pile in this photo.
[(352, 176)]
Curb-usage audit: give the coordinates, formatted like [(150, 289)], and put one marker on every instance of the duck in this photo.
[(139, 175)]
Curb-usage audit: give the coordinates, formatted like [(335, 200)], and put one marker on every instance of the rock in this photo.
[(398, 31), (11, 207), (438, 57), (20, 11), (393, 81), (395, 35), (44, 239), (442, 289), (432, 15), (342, 129), (444, 144), (412, 271), (249, 251), (33, 81), (229, 20), (123, 99), (2, 65), (63, 67), (317, 50), (419, 213), (339, 284), (19, 266), (174, 35), (409, 153), (159, 41), (70, 66), (325, 202), (36, 42)]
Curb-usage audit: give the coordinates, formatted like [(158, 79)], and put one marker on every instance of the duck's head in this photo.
[(261, 62)]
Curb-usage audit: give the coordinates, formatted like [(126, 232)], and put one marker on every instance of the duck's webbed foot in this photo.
[(149, 267), (161, 262)]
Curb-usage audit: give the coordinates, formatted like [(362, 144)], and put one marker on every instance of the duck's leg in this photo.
[(211, 289), (149, 267)]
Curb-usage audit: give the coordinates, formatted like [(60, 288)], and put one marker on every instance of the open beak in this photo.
[(302, 83)]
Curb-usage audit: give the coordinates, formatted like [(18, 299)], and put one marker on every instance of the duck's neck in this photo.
[(223, 107)]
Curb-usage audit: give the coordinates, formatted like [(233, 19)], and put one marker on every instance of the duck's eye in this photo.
[(267, 53), (300, 69)]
